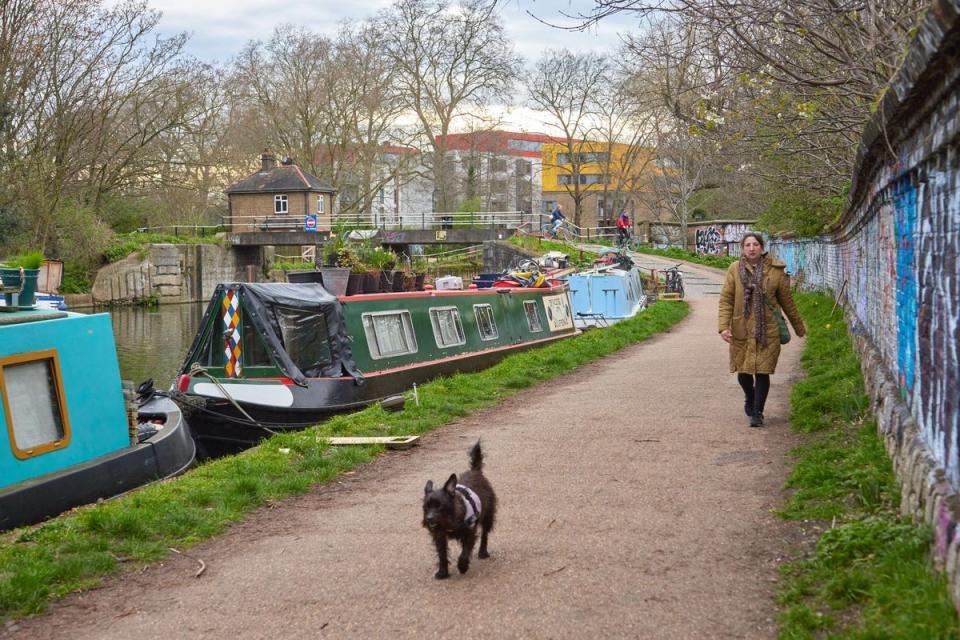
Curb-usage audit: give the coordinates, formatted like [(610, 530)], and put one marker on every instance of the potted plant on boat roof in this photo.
[(381, 263), (19, 275), (419, 266), (348, 259)]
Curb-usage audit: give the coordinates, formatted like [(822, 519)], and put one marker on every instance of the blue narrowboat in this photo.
[(606, 293), (71, 435)]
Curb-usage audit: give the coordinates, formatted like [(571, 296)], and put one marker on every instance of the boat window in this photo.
[(485, 321), (305, 339), (389, 333), (253, 351), (447, 329), (533, 315), (32, 391)]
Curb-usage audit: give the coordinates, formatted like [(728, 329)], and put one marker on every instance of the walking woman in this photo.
[(754, 284)]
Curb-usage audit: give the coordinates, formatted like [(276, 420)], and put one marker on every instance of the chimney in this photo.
[(267, 161)]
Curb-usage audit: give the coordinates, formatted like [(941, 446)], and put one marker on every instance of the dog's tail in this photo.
[(476, 458)]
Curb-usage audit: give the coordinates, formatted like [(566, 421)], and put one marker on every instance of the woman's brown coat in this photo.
[(746, 354)]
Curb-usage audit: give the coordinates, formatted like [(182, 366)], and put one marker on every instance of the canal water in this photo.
[(153, 341)]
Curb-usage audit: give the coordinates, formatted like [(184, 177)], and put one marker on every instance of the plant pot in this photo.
[(19, 287), (418, 279), (399, 279), (371, 282), (335, 280), (354, 284), (301, 277), (386, 281)]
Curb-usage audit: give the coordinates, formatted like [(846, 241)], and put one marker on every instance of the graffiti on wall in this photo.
[(709, 241), (720, 239), (900, 276)]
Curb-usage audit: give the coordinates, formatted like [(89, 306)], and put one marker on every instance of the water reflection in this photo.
[(152, 342)]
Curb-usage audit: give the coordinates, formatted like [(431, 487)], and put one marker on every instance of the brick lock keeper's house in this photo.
[(278, 197)]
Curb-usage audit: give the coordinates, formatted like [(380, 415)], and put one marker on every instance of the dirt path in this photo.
[(635, 503)]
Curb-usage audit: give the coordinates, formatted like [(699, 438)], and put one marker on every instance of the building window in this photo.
[(447, 329), (524, 145), (280, 204), (533, 315), (320, 203), (389, 333), (485, 322), (586, 157), (32, 393), (582, 178)]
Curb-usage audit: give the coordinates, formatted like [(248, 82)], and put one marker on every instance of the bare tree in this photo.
[(452, 60), (363, 107), (567, 87), (100, 91), (795, 80), (285, 83), (625, 125)]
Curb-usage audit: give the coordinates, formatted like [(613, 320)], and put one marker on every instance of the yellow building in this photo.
[(603, 177)]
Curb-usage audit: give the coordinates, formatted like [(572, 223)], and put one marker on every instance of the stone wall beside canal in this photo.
[(894, 262), (170, 273)]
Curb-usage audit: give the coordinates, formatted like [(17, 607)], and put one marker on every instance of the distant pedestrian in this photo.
[(747, 323)]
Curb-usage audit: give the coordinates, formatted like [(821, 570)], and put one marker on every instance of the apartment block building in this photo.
[(603, 177)]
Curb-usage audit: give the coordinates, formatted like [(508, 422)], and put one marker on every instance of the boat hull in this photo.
[(221, 429), (168, 453)]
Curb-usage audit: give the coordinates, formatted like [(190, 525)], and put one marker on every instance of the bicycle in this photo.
[(562, 234), (673, 280)]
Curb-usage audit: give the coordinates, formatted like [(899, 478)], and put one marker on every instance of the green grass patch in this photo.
[(539, 246), (720, 262), (869, 575), (76, 550), (137, 242)]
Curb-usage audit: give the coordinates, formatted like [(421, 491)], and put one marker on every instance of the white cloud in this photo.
[(220, 28)]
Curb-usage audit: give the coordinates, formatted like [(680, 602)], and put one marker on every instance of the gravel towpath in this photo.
[(634, 503)]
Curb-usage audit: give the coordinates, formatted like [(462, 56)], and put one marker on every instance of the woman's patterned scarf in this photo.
[(753, 298)]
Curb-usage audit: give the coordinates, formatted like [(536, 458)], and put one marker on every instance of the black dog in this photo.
[(455, 511)]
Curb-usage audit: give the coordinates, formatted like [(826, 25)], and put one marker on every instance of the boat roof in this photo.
[(265, 304)]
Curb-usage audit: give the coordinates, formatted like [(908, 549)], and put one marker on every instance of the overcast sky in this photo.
[(220, 28)]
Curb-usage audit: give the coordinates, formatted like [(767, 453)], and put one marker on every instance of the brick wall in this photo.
[(250, 211), (893, 261)]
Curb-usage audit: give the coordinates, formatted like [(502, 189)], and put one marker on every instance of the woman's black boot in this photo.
[(756, 419)]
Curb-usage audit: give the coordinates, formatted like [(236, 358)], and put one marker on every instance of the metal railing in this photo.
[(533, 223)]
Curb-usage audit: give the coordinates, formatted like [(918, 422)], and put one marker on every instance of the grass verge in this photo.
[(76, 550), (534, 244), (869, 575), (719, 262)]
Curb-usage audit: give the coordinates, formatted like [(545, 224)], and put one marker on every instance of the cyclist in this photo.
[(623, 228), (556, 219)]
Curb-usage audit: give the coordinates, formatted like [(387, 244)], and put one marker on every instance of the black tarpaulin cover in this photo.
[(287, 317)]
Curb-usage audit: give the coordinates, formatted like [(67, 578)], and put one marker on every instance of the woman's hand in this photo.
[(726, 335)]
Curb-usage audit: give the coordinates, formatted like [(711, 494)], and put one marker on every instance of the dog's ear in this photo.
[(451, 484), (429, 487)]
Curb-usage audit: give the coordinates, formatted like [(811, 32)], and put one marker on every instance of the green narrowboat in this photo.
[(275, 357)]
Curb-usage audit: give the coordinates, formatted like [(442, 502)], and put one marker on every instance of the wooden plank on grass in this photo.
[(391, 442)]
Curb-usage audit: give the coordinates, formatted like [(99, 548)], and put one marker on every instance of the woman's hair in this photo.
[(752, 234)]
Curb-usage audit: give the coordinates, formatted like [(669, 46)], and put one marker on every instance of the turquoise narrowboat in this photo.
[(71, 435), (276, 357), (606, 293)]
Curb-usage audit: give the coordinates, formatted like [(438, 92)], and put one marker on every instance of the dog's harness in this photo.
[(472, 503)]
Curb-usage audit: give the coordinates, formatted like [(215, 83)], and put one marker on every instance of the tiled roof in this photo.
[(281, 178)]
